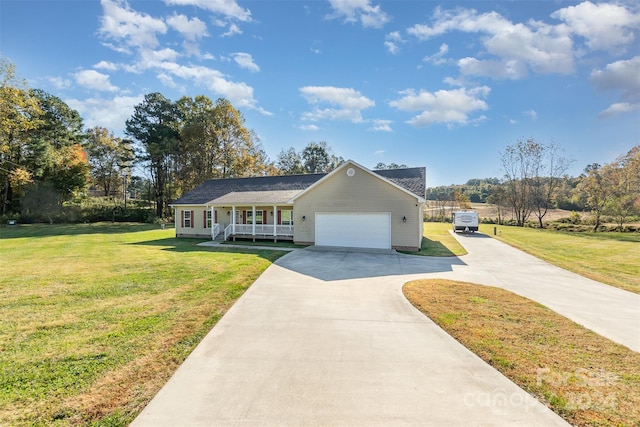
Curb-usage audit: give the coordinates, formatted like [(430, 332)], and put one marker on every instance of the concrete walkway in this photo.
[(326, 338)]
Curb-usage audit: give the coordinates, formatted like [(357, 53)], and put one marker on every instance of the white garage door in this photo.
[(356, 230)]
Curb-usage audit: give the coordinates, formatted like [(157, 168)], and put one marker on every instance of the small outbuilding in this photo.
[(351, 206)]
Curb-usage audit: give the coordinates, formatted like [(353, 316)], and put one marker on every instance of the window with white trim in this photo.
[(286, 217), (258, 217), (187, 219), (209, 221)]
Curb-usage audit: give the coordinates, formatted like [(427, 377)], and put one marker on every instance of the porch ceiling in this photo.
[(249, 198)]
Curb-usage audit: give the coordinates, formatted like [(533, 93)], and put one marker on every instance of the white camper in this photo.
[(466, 221)]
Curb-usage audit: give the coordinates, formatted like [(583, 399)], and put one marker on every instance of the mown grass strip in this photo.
[(437, 241), (611, 258), (585, 378), (96, 317)]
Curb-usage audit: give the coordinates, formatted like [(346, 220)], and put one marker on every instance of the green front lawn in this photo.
[(96, 317)]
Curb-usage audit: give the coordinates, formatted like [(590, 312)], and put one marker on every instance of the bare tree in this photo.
[(548, 173), (531, 171)]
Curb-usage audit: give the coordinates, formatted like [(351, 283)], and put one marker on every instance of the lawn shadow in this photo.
[(174, 244), (49, 230)]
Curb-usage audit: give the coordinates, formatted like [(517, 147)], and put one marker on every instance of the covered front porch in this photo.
[(257, 215)]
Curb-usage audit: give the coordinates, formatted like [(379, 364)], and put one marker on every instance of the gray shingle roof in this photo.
[(412, 179), (259, 197)]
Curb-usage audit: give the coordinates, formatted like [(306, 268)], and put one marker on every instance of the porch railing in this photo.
[(215, 230), (262, 230)]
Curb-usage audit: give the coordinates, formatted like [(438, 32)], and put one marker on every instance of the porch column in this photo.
[(275, 221), (213, 217), (233, 220), (253, 221)]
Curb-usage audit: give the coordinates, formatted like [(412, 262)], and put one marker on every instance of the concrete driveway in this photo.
[(608, 311), (326, 338)]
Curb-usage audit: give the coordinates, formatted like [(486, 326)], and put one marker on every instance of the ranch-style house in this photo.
[(351, 206)]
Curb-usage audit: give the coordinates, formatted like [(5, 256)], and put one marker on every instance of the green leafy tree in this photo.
[(596, 185), (110, 159), (317, 158), (462, 200), (55, 151), (19, 113), (290, 162), (382, 166), (215, 143), (625, 182), (154, 125)]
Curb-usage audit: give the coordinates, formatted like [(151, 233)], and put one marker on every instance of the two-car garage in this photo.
[(354, 229)]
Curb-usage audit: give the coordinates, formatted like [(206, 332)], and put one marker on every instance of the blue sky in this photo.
[(446, 85)]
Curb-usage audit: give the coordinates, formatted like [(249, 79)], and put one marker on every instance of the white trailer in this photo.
[(466, 221)]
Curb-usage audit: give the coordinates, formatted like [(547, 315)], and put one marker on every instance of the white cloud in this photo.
[(619, 108), (604, 25), (438, 57), (110, 113), (191, 29), (132, 32), (233, 30), (535, 45), (509, 69), (245, 60), (311, 128), (59, 82), (532, 114), (349, 103), (393, 41), (228, 8), (92, 79), (106, 65), (240, 94), (155, 58), (134, 29), (620, 75), (380, 125), (359, 10), (624, 77), (444, 106), (378, 153)]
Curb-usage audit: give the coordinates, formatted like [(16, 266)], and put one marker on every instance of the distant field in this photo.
[(97, 317)]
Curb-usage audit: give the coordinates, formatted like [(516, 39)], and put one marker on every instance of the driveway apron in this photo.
[(326, 338)]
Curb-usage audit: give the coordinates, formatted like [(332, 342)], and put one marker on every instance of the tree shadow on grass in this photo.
[(174, 244), (48, 230)]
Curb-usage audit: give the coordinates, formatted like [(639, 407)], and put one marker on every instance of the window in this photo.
[(187, 219), (208, 221), (259, 217), (286, 217)]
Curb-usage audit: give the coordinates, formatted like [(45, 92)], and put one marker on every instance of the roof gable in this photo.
[(376, 174)]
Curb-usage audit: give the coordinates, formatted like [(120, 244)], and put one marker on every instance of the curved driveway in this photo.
[(326, 338)]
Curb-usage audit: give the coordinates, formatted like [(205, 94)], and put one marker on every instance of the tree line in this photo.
[(535, 181), (48, 159)]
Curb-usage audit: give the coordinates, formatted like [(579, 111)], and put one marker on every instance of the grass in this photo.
[(611, 258), (437, 241), (585, 378), (96, 317)]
